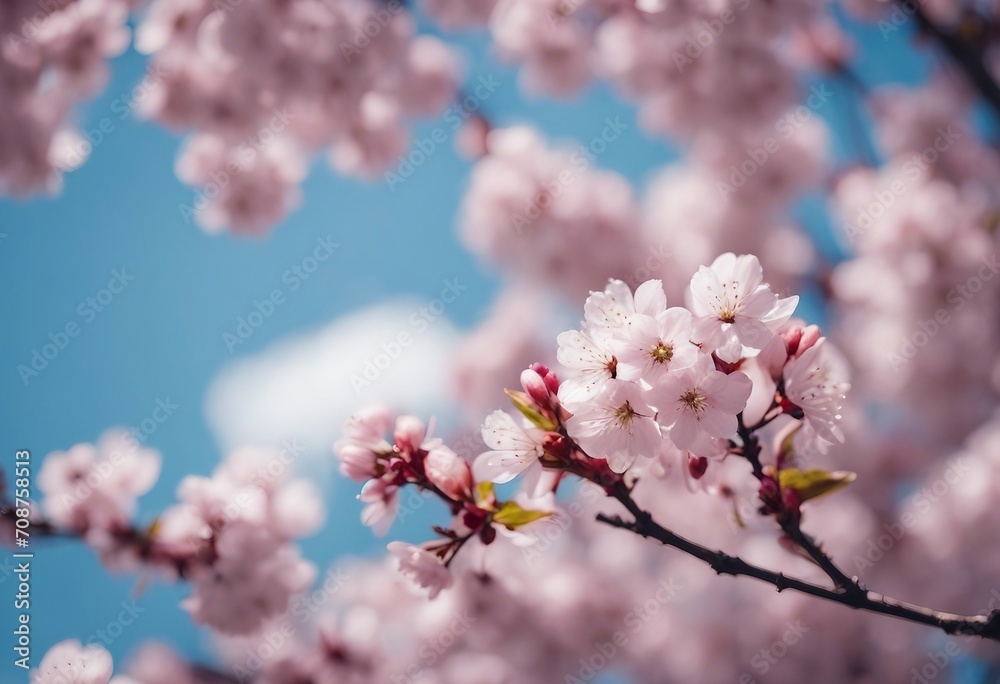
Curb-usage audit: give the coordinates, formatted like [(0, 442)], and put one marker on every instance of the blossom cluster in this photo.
[(416, 458), (260, 85), (52, 56), (231, 535), (265, 83), (688, 65), (646, 383)]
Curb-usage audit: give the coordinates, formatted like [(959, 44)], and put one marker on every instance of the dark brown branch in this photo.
[(985, 626), (207, 675), (790, 520), (966, 57)]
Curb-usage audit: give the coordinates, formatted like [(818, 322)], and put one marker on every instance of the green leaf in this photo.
[(484, 492), (810, 484), (526, 406), (513, 516)]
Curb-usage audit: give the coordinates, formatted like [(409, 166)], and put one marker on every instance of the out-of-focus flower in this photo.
[(422, 566), (69, 662), (93, 488)]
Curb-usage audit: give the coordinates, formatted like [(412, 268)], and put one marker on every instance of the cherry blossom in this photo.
[(69, 662), (424, 567), (593, 361), (617, 425), (93, 488), (382, 505), (363, 442), (514, 449), (735, 312), (750, 404), (815, 382), (652, 347), (450, 473), (698, 403)]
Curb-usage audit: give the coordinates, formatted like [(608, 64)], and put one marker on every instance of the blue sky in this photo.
[(160, 339)]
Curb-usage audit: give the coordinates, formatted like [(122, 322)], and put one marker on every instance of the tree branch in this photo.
[(789, 521), (968, 59), (985, 626)]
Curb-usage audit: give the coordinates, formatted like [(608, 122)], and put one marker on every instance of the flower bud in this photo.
[(449, 473), (534, 385), (799, 338), (770, 495), (409, 433), (551, 381), (357, 463), (556, 447)]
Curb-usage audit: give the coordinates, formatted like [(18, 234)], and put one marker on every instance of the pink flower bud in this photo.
[(551, 380), (409, 433), (357, 462), (770, 495), (811, 334), (799, 338), (534, 385), (449, 473)]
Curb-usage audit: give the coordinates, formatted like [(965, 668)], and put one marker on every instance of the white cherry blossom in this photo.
[(736, 314)]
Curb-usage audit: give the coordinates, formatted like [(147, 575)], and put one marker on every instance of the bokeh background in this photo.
[(161, 341)]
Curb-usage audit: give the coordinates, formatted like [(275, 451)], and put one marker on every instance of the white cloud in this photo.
[(304, 387)]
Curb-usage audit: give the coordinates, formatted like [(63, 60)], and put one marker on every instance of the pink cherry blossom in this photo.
[(95, 487), (617, 425), (816, 382), (651, 347), (458, 14), (382, 505), (449, 472), (363, 442), (527, 203), (252, 580), (736, 314), (69, 662), (609, 312), (513, 450), (698, 403), (594, 362), (423, 567)]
